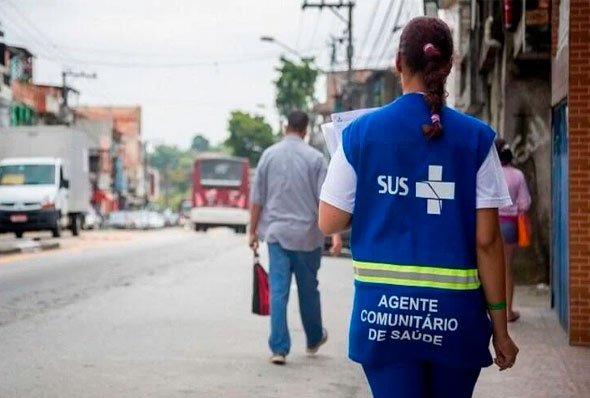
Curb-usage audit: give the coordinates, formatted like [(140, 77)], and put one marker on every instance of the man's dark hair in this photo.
[(298, 121)]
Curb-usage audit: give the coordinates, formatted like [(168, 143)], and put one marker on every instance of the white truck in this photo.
[(44, 179)]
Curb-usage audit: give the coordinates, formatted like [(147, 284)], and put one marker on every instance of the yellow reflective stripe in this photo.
[(419, 283), (416, 269), (414, 275)]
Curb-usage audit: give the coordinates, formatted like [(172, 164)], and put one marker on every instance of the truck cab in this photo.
[(34, 196)]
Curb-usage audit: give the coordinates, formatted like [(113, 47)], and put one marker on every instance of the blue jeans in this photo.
[(305, 266)]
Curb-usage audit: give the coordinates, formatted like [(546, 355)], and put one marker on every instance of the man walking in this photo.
[(285, 199)]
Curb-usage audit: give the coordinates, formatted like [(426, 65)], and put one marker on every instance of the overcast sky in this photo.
[(188, 63)]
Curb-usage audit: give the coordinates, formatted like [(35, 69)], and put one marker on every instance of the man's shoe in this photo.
[(278, 359), (314, 348)]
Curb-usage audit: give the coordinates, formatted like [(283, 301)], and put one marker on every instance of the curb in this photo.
[(45, 246), (27, 247), (9, 250)]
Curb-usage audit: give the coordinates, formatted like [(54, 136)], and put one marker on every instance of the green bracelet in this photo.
[(497, 306)]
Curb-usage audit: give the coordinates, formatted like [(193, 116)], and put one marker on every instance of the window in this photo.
[(30, 174)]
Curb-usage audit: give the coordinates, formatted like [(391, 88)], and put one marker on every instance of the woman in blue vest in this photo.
[(420, 184)]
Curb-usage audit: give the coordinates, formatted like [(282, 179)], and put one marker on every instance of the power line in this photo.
[(337, 6), (20, 32), (394, 30), (138, 65), (33, 28), (315, 29), (299, 29), (381, 28), (369, 26)]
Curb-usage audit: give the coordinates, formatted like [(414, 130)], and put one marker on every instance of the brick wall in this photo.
[(579, 173), (554, 26)]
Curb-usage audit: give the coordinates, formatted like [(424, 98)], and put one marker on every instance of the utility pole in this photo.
[(334, 7), (65, 89)]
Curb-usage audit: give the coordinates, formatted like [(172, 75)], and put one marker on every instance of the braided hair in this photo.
[(426, 48)]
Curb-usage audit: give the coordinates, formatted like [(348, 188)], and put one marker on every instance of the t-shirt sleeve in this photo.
[(339, 189), (491, 191), (258, 194)]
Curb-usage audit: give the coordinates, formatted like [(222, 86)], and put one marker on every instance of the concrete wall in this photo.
[(517, 104), (525, 123)]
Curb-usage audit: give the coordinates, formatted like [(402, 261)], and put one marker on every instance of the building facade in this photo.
[(522, 66), (501, 74), (127, 150), (570, 104)]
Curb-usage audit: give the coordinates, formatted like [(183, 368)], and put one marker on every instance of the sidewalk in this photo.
[(547, 366), (15, 246)]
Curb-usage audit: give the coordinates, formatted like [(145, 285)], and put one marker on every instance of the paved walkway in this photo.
[(547, 366)]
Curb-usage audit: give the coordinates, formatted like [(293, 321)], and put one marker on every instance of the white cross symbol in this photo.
[(434, 190)]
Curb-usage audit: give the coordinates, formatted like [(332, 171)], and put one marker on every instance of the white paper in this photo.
[(342, 119), (333, 131), (331, 136)]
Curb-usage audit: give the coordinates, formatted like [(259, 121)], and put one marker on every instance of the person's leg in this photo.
[(509, 254), (509, 230), (399, 380), (280, 284), (306, 266), (453, 382)]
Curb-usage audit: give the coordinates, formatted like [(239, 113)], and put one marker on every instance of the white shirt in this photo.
[(339, 189)]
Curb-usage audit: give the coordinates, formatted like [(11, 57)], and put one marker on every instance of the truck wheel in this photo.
[(75, 224), (19, 234), (56, 231)]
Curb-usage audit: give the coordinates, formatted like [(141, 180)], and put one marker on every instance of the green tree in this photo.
[(167, 159), (295, 86), (249, 135), (200, 143)]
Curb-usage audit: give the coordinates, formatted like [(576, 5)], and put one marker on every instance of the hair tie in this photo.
[(427, 47), (435, 118)]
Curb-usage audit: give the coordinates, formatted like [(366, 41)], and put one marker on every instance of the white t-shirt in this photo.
[(339, 189)]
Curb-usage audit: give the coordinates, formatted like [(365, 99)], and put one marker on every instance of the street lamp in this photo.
[(270, 39)]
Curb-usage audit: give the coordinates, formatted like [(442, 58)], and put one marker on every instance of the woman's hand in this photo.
[(506, 352), (336, 248)]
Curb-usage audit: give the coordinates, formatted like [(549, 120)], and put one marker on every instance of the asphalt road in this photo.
[(167, 314), (161, 314)]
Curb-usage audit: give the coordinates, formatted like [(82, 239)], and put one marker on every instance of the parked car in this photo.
[(171, 218), (146, 219), (119, 219), (92, 220), (155, 220)]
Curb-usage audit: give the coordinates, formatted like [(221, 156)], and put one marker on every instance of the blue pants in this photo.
[(305, 266), (421, 380)]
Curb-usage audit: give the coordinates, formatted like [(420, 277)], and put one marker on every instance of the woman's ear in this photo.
[(398, 62)]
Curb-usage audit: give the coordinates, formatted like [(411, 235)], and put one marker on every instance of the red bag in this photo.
[(260, 289)]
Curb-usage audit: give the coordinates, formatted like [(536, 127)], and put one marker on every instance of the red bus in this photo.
[(221, 192)]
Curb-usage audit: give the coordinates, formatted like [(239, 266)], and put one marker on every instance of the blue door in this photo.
[(560, 215)]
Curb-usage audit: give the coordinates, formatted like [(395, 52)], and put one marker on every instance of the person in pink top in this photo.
[(521, 202)]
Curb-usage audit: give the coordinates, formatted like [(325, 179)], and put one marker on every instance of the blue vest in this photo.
[(417, 291)]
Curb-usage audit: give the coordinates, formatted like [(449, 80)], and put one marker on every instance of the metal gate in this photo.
[(560, 215)]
